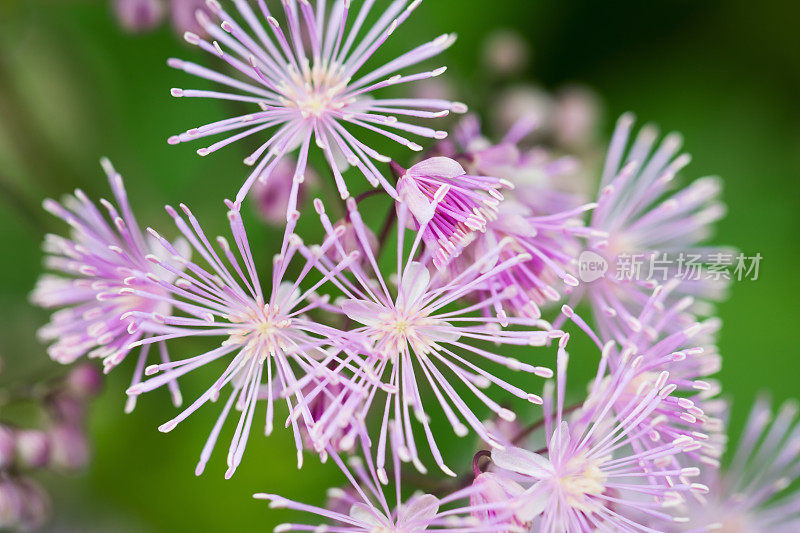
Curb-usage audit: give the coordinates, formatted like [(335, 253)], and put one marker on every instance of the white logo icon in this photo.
[(591, 266)]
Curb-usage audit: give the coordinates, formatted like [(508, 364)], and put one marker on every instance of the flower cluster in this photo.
[(377, 345), (58, 445)]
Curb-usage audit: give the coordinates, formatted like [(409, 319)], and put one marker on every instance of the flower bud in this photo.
[(505, 53), (69, 447), (68, 408), (85, 381), (576, 118), (138, 16), (36, 504), (182, 14), (272, 197), (12, 505), (33, 448)]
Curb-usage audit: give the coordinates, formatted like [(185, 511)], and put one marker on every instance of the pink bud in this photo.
[(272, 196), (12, 504), (33, 448), (68, 408), (502, 430), (7, 447), (523, 102), (137, 16), (182, 15), (85, 381), (505, 53), (577, 117), (69, 447), (36, 504)]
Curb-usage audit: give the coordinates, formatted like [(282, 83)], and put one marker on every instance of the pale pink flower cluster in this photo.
[(387, 342)]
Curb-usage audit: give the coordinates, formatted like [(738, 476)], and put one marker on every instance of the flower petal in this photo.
[(437, 167), (523, 462)]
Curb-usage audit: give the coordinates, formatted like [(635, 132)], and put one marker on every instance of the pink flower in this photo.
[(449, 204), (365, 508), (756, 492), (103, 256), (306, 81), (269, 342), (588, 478), (652, 234), (684, 359), (422, 336)]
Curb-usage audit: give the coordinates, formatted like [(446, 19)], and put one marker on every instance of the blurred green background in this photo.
[(73, 87)]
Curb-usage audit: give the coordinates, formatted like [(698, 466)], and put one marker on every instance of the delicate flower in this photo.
[(588, 477), (366, 509), (419, 336), (650, 239), (138, 16), (99, 260), (269, 339), (683, 359), (449, 204), (753, 495), (304, 82)]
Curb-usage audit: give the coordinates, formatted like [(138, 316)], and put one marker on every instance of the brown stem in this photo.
[(536, 425)]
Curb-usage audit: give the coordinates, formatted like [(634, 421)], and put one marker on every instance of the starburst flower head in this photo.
[(685, 359), (589, 477), (756, 492), (268, 339), (451, 205), (365, 508), (104, 255), (306, 79), (646, 224), (423, 338)]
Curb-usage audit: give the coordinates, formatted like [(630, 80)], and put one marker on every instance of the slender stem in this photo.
[(536, 425), (364, 195)]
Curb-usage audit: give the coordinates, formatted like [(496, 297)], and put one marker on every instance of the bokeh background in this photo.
[(74, 86)]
